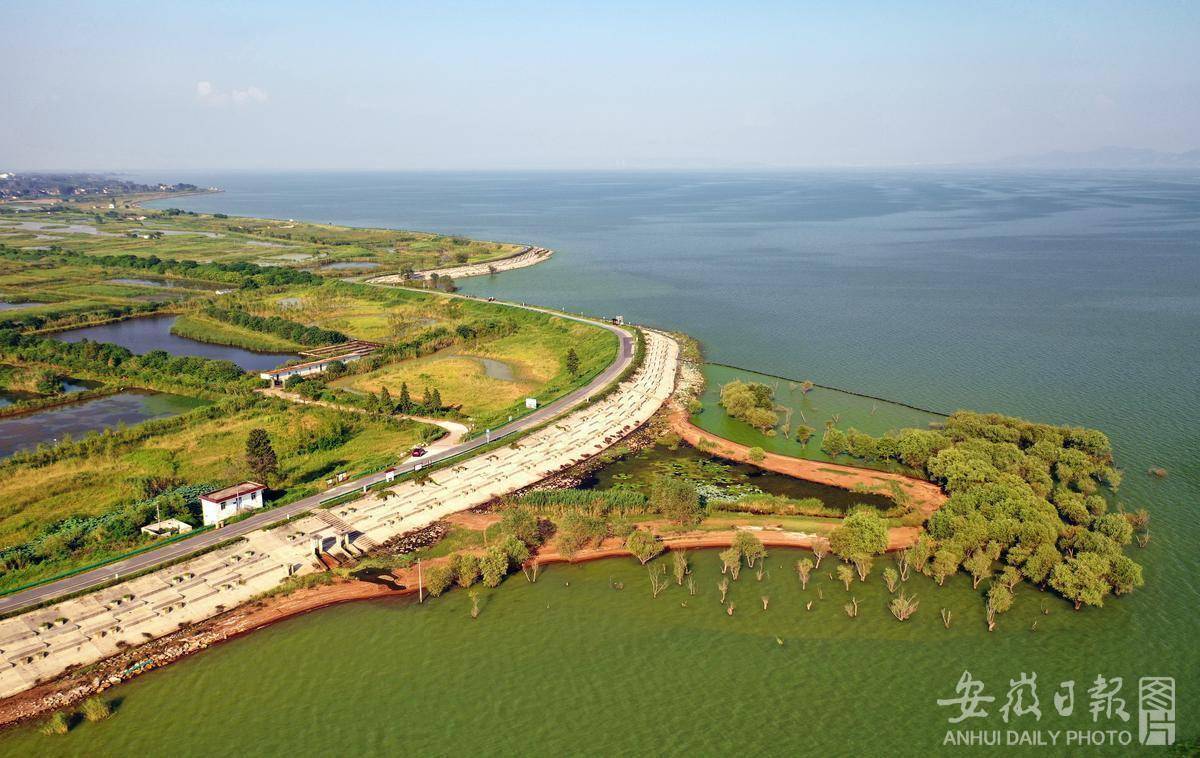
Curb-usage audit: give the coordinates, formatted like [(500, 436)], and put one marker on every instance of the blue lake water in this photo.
[(1062, 297), (141, 335)]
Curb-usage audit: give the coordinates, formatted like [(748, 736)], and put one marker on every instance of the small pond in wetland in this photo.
[(141, 335), (28, 430), (719, 479)]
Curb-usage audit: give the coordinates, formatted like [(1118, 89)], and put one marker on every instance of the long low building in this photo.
[(323, 357)]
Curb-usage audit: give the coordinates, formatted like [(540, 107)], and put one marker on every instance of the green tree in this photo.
[(845, 574), (731, 561), (522, 523), (572, 362), (406, 404), (1082, 579), (804, 434), (493, 565), (945, 563), (516, 550), (95, 709), (438, 579), (466, 569), (834, 442), (863, 532), (260, 455), (676, 499), (643, 544), (749, 547), (386, 405), (804, 568)]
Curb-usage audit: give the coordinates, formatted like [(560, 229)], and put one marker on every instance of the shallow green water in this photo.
[(569, 665), (1065, 298), (814, 408)]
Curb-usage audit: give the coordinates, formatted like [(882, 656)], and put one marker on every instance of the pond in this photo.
[(141, 335), (139, 282), (718, 477), (27, 431), (491, 367), (351, 265)]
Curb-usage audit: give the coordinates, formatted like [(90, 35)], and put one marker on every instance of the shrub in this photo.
[(466, 569), (494, 565), (56, 724), (95, 709), (438, 579)]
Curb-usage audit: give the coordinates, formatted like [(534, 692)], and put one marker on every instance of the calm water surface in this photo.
[(1061, 297), (27, 431), (141, 335)]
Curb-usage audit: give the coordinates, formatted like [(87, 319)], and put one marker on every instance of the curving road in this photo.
[(151, 558)]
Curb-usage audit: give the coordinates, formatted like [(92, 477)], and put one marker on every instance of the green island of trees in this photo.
[(1027, 501), (751, 402)]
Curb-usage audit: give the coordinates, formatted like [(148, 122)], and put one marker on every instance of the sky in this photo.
[(603, 85)]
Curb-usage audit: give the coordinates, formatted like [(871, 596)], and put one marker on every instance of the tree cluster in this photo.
[(751, 402), (281, 327), (1025, 494)]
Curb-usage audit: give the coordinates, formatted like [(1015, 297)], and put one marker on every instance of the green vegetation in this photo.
[(45, 528), (183, 235), (1025, 494), (751, 402), (195, 326), (292, 331), (803, 412), (56, 724), (95, 709)]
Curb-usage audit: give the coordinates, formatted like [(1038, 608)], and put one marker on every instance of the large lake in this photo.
[(141, 335), (1060, 297)]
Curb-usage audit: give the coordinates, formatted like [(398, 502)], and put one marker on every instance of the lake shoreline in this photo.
[(72, 688)]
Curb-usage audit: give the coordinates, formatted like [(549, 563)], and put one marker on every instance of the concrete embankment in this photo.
[(40, 645)]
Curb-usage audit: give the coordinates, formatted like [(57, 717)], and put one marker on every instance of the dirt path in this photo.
[(923, 496)]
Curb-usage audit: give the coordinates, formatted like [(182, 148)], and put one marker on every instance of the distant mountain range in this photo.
[(1106, 157)]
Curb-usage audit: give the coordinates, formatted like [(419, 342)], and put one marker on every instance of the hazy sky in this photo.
[(160, 85)]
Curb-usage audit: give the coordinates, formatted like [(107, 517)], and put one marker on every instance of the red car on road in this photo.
[(417, 452)]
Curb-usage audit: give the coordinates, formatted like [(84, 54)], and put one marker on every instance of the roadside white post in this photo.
[(420, 583)]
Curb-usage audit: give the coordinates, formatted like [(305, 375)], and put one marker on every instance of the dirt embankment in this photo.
[(925, 497), (71, 689)]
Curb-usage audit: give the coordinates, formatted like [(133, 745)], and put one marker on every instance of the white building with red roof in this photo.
[(230, 501)]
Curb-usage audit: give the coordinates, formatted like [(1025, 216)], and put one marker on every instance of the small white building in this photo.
[(166, 528), (227, 503)]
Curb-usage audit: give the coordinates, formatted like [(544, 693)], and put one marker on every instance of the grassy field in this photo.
[(204, 329), (370, 313), (67, 291), (309, 441), (490, 379), (91, 226)]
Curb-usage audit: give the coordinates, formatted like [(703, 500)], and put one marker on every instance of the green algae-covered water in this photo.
[(1061, 297), (570, 665)]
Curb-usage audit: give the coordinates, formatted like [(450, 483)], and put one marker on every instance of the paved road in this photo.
[(150, 558)]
